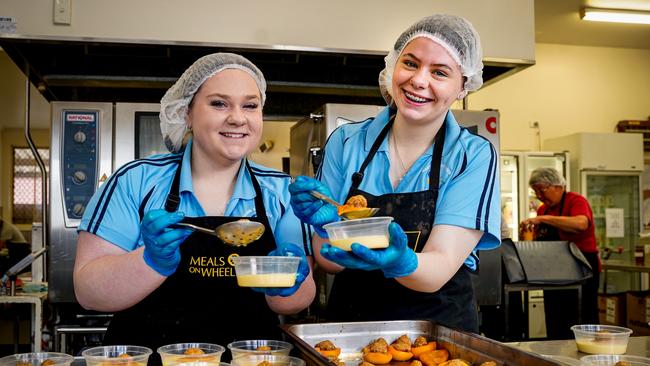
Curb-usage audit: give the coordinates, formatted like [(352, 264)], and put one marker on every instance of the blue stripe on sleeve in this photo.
[(487, 208), (104, 199), (486, 185)]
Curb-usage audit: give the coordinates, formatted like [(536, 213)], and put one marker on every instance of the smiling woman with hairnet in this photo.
[(163, 280), (415, 163)]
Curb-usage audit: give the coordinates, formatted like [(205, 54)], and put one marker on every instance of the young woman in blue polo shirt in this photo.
[(162, 281), (415, 163)]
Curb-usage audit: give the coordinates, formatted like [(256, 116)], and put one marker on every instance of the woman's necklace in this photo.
[(399, 159)]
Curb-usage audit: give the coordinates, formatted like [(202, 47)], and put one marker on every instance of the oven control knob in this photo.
[(79, 137), (79, 177), (78, 209)]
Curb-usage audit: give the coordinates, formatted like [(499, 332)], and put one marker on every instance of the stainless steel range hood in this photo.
[(300, 79)]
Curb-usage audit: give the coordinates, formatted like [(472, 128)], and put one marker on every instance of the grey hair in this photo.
[(547, 177)]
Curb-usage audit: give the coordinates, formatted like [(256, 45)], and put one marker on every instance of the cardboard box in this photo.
[(638, 312), (612, 309)]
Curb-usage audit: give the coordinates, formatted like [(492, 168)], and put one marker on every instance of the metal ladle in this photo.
[(236, 233), (350, 215)]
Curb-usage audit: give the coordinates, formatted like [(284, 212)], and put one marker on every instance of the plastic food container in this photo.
[(37, 359), (601, 339), (117, 355), (196, 354), (371, 232), (259, 347), (266, 271), (564, 360), (274, 360), (611, 360)]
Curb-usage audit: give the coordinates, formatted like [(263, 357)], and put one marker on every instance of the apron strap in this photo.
[(434, 173), (357, 177), (436, 159), (259, 201), (174, 197)]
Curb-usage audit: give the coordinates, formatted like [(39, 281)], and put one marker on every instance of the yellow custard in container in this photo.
[(266, 271), (601, 339), (267, 280), (371, 232), (37, 359), (191, 354), (369, 241), (117, 355), (597, 347)]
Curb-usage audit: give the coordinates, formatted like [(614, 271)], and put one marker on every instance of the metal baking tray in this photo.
[(352, 337)]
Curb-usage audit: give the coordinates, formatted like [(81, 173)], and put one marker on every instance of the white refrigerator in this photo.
[(606, 168), (518, 201)]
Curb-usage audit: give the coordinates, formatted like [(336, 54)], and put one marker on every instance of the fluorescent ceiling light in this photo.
[(615, 15)]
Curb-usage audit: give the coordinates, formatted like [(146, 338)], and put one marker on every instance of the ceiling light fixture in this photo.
[(615, 15)]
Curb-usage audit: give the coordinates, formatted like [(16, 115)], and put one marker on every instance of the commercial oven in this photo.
[(89, 142)]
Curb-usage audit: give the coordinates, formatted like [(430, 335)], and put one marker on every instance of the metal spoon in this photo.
[(236, 233), (350, 215)]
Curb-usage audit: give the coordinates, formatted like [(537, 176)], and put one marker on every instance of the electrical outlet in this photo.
[(62, 12), (533, 124)]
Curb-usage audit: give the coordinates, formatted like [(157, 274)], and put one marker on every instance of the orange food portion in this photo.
[(399, 355), (193, 351), (455, 362), (419, 350), (263, 348), (433, 358), (124, 355), (328, 349), (329, 353), (353, 204), (378, 358), (48, 362), (488, 363)]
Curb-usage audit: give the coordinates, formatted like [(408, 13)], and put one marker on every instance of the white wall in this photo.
[(12, 98), (12, 105), (570, 89), (506, 26), (278, 132)]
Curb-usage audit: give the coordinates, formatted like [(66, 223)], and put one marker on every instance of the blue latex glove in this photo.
[(398, 260), (310, 209), (288, 250), (161, 243)]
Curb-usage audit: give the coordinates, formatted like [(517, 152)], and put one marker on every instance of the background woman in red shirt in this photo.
[(566, 216)]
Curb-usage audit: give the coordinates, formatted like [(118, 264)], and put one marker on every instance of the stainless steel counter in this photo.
[(638, 346)]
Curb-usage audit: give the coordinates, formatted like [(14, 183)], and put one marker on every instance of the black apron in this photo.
[(201, 301), (367, 295), (546, 232)]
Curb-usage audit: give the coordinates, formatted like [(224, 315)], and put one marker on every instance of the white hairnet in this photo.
[(174, 104), (455, 34)]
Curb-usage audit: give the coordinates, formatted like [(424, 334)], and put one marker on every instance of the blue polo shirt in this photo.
[(469, 184), (113, 213)]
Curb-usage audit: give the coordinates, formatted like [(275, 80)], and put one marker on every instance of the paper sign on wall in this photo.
[(7, 25), (614, 223)]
